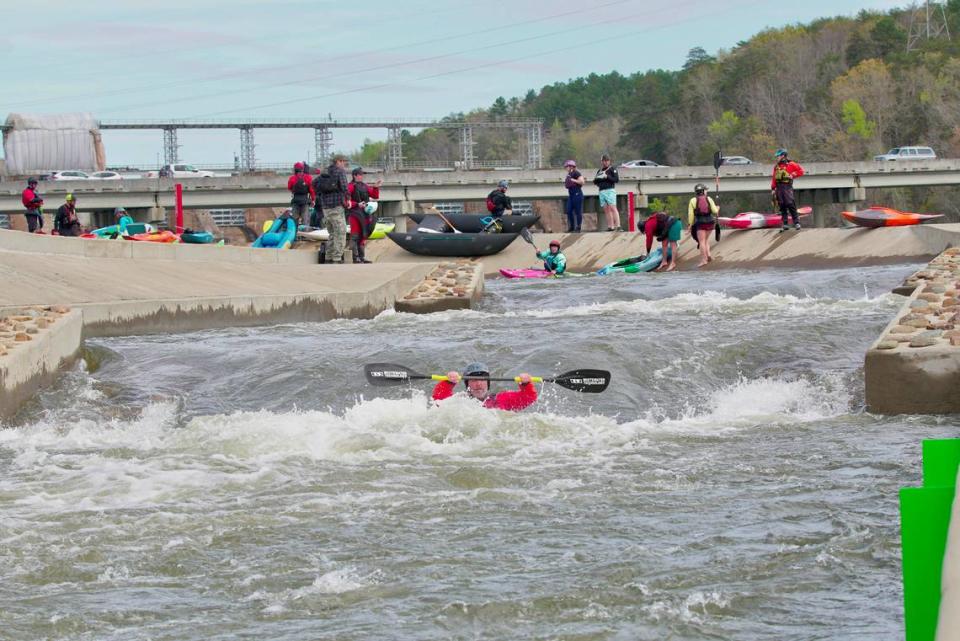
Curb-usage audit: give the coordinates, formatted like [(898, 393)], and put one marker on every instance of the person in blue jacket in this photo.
[(554, 260)]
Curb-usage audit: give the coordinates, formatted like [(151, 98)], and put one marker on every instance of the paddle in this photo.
[(527, 236), (717, 161), (592, 381), (455, 230)]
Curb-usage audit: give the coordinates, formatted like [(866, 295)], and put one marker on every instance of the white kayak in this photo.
[(317, 235)]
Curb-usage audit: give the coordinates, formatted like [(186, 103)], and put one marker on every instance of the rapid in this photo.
[(248, 483)]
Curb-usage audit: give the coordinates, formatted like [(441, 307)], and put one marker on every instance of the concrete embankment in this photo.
[(736, 249), (914, 366)]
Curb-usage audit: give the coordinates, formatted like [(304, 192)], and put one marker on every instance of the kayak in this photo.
[(473, 223), (634, 264), (313, 234), (886, 217), (164, 236), (196, 237), (755, 220), (462, 245), (281, 234), (537, 273), (113, 231), (381, 229)]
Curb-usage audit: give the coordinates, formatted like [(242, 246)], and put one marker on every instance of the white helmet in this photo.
[(371, 207)]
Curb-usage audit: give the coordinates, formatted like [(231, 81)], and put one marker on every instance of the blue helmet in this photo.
[(780, 152), (476, 369)]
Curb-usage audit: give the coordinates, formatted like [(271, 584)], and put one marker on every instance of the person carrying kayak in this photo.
[(700, 216), (66, 222), (781, 186), (668, 231), (479, 389), (553, 259), (33, 204), (498, 202), (573, 181)]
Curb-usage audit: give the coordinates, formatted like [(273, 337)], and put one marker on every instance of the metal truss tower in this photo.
[(466, 146), (394, 148), (927, 22), (170, 146), (535, 146), (248, 158), (323, 145)]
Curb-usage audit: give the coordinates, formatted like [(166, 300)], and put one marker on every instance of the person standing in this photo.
[(331, 189), (668, 231), (302, 193), (781, 186), (573, 181), (498, 202), (66, 223), (605, 180), (700, 216), (361, 223), (33, 204)]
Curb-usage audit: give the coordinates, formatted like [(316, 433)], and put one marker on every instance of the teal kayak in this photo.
[(196, 237), (634, 264)]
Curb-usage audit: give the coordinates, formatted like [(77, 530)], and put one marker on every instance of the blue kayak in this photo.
[(634, 264), (281, 234), (196, 237)]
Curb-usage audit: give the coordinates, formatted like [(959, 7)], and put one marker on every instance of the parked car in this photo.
[(105, 175), (179, 170), (65, 175), (641, 163), (908, 153), (735, 160)]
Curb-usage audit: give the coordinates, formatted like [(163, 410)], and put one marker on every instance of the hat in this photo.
[(118, 211), (339, 157), (503, 184), (31, 180), (356, 171), (69, 197), (570, 163)]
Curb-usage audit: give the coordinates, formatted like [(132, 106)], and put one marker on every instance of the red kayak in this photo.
[(886, 217), (165, 236), (756, 220)]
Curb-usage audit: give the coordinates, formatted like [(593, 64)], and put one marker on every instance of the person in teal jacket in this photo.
[(122, 219), (554, 260)]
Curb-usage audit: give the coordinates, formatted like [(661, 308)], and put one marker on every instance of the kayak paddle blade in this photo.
[(381, 374), (591, 381), (717, 159)]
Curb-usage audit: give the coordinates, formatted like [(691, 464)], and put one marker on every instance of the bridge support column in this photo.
[(248, 159), (170, 146), (323, 145), (466, 146), (394, 148)]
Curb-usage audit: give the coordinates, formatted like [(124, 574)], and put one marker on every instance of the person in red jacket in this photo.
[(479, 388), (668, 231), (361, 220), (301, 187), (33, 204), (781, 186)]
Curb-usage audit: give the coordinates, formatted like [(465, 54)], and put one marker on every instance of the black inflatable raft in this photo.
[(472, 223), (465, 245)]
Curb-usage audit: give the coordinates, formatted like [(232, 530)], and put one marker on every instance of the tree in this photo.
[(871, 86), (697, 56), (856, 120), (499, 108)]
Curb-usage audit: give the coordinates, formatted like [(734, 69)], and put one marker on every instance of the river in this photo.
[(248, 483)]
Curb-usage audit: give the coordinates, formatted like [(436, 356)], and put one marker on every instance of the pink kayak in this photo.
[(525, 273), (755, 220)]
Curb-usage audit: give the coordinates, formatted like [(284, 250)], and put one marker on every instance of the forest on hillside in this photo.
[(834, 89)]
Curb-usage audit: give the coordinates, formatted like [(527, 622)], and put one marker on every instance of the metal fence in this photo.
[(229, 217), (449, 208)]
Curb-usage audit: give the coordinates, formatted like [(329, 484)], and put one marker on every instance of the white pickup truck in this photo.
[(179, 170)]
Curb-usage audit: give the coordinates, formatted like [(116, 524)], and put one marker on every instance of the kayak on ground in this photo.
[(757, 220), (113, 231), (381, 229), (196, 237), (886, 217), (313, 233), (634, 264), (281, 234), (163, 236)]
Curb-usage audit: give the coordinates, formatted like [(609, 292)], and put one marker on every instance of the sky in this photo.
[(218, 59)]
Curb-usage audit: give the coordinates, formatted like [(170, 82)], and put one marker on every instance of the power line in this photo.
[(261, 71)]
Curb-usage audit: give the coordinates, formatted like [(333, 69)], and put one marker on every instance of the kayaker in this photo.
[(479, 388), (360, 211), (66, 223), (700, 216), (606, 180), (553, 259), (498, 202), (33, 204), (122, 219), (668, 230), (781, 186), (573, 181), (301, 190)]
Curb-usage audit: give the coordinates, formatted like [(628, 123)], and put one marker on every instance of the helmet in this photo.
[(476, 369), (357, 171), (371, 207), (69, 198), (298, 166), (570, 163), (700, 188), (31, 180), (503, 184), (780, 152), (555, 243)]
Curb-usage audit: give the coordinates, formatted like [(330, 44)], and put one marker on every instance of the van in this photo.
[(908, 153)]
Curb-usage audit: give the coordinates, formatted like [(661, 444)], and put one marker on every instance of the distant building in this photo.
[(35, 143)]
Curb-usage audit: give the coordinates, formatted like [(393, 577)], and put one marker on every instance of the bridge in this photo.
[(824, 182)]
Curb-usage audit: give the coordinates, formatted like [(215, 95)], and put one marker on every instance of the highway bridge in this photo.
[(838, 182)]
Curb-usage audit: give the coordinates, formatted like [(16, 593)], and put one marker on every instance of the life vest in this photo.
[(701, 211), (360, 192), (301, 187), (782, 176)]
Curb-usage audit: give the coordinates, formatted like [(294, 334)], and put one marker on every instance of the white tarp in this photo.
[(34, 143)]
